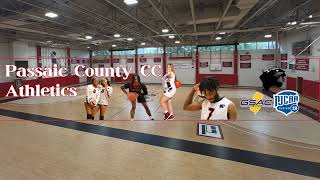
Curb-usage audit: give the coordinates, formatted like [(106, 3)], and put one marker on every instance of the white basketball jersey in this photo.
[(92, 93), (168, 82), (105, 94), (215, 111)]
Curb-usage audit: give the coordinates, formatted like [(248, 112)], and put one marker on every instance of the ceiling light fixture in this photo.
[(171, 37), (130, 2), (143, 44), (294, 23), (268, 36), (129, 39), (218, 38), (117, 35), (222, 33), (165, 30), (113, 45), (88, 37), (310, 16), (177, 42), (51, 15)]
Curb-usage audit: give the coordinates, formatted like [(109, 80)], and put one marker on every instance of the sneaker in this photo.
[(171, 117), (166, 116)]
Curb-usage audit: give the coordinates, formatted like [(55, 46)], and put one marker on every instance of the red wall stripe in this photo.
[(197, 66), (69, 60), (39, 60), (235, 64), (164, 61), (136, 60)]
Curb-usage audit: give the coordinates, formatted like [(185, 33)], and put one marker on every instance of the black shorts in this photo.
[(141, 99)]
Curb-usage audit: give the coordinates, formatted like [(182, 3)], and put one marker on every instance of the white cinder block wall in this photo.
[(150, 61), (81, 56), (250, 77), (5, 59), (216, 58), (19, 50), (298, 36), (185, 68)]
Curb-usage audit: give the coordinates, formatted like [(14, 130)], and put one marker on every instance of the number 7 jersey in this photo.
[(215, 111)]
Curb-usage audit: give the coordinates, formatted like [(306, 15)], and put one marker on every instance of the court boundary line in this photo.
[(274, 162), (270, 138)]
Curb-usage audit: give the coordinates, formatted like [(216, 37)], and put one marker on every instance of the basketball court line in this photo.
[(259, 134), (296, 166)]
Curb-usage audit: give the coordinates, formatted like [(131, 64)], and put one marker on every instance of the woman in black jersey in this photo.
[(137, 87)]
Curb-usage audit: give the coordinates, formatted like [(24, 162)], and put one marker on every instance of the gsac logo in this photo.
[(286, 102), (256, 103)]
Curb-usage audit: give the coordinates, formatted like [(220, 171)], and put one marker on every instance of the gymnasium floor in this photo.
[(38, 144)]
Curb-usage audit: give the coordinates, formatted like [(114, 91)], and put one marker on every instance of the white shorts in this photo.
[(170, 94)]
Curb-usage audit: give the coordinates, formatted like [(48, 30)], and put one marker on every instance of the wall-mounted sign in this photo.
[(245, 57), (284, 65), (226, 64), (245, 65), (302, 64), (209, 130), (291, 66), (298, 47), (115, 60), (183, 65), (203, 64), (284, 56), (268, 57), (157, 60), (143, 60)]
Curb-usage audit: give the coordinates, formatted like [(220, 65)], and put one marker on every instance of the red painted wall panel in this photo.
[(4, 87), (291, 83), (309, 88), (44, 82)]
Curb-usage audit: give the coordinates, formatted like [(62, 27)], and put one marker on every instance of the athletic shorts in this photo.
[(141, 99), (170, 94)]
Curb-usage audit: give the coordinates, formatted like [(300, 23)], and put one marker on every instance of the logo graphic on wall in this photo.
[(256, 103), (286, 102)]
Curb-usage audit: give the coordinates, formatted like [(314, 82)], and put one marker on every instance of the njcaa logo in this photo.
[(256, 103), (286, 102)]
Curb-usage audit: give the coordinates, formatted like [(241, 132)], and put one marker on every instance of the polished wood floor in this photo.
[(31, 150)]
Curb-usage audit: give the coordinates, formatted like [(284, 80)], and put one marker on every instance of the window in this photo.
[(101, 53), (251, 46), (262, 45)]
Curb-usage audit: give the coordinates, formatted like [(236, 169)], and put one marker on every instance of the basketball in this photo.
[(178, 83), (93, 102), (132, 96)]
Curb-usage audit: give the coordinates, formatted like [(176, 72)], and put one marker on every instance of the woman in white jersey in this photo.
[(105, 94), (213, 106), (92, 97), (168, 83)]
